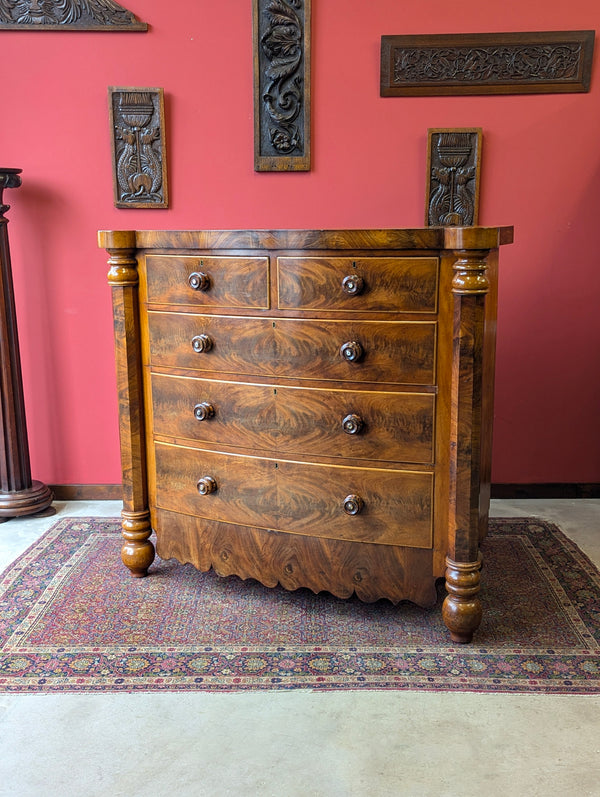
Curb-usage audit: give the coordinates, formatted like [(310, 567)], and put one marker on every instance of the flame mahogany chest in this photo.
[(309, 407)]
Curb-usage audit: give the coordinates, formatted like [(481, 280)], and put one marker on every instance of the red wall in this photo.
[(541, 164)]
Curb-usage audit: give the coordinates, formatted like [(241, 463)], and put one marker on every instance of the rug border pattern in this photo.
[(227, 668)]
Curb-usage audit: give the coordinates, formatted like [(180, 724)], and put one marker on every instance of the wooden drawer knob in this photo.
[(353, 504), (204, 411), (201, 343), (206, 485), (351, 351), (353, 424), (199, 281), (353, 285)]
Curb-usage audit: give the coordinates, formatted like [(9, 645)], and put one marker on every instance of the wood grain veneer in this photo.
[(310, 407)]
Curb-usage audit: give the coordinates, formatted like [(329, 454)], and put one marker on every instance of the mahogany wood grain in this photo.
[(233, 415), (295, 560), (388, 284), (394, 352), (301, 498), (397, 427), (232, 281), (470, 286), (138, 551)]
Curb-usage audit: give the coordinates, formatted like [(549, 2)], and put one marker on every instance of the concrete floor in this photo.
[(300, 743)]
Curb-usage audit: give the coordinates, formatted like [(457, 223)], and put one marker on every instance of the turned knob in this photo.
[(353, 424), (353, 285), (204, 411), (351, 351), (353, 504), (206, 485), (201, 343), (199, 281)]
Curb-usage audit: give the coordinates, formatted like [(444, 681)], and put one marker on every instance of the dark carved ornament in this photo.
[(504, 63), (67, 15), (138, 147), (282, 85), (453, 168)]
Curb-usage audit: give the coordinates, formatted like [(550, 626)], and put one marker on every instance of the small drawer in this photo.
[(396, 352), (208, 281), (394, 427), (388, 507), (364, 284)]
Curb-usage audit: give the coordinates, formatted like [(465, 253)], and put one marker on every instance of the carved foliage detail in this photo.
[(81, 14), (453, 179), (539, 62), (139, 160), (281, 71), (497, 64)]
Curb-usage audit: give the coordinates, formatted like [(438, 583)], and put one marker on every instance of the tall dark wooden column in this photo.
[(19, 495)]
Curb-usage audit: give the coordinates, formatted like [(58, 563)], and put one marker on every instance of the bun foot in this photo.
[(138, 552), (462, 608)]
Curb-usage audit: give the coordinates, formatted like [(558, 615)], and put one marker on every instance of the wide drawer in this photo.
[(362, 284), (392, 507), (396, 427), (363, 351), (208, 281)]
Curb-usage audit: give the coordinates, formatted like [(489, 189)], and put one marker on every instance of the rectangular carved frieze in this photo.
[(137, 123), (487, 63), (453, 169), (281, 85), (67, 15)]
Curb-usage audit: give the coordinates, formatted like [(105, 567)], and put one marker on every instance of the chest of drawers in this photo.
[(310, 408)]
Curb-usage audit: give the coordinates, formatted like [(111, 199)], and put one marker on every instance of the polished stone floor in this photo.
[(302, 743)]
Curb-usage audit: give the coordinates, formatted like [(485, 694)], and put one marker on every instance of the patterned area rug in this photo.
[(72, 620)]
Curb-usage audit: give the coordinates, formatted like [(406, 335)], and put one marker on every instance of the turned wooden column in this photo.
[(462, 607), (138, 551), (19, 494)]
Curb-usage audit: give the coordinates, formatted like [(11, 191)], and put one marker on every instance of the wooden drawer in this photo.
[(360, 284), (395, 427), (297, 497), (388, 351), (208, 281)]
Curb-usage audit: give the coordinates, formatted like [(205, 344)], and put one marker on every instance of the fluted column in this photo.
[(19, 494)]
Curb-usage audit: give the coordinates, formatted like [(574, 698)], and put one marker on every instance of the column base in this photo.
[(30, 501)]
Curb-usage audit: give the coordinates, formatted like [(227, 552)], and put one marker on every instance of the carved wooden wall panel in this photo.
[(67, 15), (453, 170), (487, 63), (281, 85), (137, 123)]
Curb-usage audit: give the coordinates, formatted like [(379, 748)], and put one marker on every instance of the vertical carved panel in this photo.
[(281, 85), (138, 147), (453, 169)]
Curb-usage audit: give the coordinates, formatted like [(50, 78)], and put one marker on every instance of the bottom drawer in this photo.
[(391, 507)]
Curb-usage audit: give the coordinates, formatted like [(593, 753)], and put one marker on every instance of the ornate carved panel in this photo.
[(453, 169), (281, 85), (487, 63), (138, 147), (67, 15)]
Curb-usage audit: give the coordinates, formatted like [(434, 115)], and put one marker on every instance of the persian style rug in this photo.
[(73, 620)]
